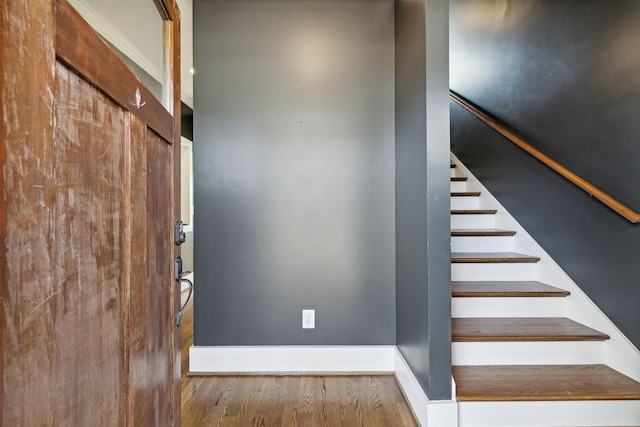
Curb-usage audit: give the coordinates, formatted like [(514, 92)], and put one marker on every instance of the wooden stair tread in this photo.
[(473, 211), (498, 289), (491, 257), (482, 232), (453, 165), (465, 193), (458, 178), (543, 383), (522, 329)]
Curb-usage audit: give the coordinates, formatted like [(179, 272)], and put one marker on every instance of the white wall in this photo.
[(134, 27)]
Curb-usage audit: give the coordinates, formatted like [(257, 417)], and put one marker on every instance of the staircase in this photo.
[(519, 357)]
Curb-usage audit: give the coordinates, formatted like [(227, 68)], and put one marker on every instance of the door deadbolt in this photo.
[(179, 236)]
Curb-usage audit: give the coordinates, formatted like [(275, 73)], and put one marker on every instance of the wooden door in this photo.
[(90, 164)]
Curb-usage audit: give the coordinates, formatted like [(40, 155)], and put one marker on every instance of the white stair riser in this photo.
[(458, 186), (472, 221), (454, 171), (493, 271), (481, 244), (563, 413), (508, 307), (464, 202), (527, 353)]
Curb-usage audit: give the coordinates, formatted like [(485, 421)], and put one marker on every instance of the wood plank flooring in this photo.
[(465, 193), (491, 257), (522, 329), (540, 382), (294, 401), (309, 401), (504, 289), (473, 211), (488, 232)]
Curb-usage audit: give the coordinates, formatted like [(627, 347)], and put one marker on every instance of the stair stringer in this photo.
[(618, 352)]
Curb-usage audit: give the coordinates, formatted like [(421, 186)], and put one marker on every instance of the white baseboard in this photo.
[(428, 413), (288, 359), (326, 359)]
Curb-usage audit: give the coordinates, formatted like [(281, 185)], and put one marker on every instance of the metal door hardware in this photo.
[(179, 236), (180, 278), (177, 271)]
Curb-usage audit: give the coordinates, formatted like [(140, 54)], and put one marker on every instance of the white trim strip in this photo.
[(416, 397), (427, 413), (286, 359)]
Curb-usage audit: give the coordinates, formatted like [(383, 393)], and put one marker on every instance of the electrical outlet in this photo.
[(308, 319)]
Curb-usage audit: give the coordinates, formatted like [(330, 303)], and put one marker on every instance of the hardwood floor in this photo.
[(294, 401), (540, 382), (308, 401), (504, 289), (491, 257), (522, 329)]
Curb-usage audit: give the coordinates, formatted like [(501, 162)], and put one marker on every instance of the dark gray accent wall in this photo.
[(423, 271), (294, 172), (566, 76)]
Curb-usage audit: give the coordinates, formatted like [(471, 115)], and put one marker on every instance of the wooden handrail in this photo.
[(621, 209)]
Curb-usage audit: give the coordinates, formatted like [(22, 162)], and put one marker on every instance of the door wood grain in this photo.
[(88, 203)]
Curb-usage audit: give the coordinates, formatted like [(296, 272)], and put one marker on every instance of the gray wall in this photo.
[(566, 76), (294, 172), (423, 275)]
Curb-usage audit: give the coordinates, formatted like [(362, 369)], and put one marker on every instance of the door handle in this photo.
[(179, 277)]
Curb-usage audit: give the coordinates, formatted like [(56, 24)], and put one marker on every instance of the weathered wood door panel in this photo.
[(150, 294), (88, 222), (87, 334)]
